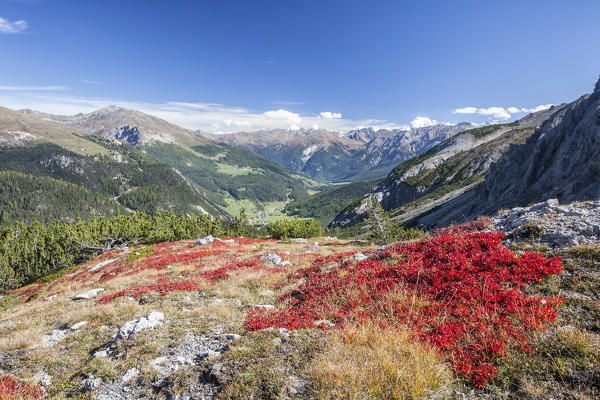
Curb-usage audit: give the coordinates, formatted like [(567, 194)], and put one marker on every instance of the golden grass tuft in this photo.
[(368, 362)]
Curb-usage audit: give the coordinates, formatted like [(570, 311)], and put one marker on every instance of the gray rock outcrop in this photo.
[(552, 224), (560, 160)]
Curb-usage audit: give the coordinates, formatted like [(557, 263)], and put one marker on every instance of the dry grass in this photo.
[(23, 320), (368, 362)]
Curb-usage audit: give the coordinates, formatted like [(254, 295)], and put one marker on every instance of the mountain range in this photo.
[(356, 155), (128, 160)]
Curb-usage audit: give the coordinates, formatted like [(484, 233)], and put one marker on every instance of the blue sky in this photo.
[(245, 65)]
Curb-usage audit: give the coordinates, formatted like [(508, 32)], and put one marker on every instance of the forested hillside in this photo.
[(45, 181), (325, 205), (223, 171), (228, 177)]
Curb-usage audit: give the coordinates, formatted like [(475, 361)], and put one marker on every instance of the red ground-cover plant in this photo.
[(478, 225), (13, 389), (253, 263), (194, 280), (163, 286), (460, 293)]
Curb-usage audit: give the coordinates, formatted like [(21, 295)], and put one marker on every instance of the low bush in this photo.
[(294, 228), (13, 389), (460, 293)]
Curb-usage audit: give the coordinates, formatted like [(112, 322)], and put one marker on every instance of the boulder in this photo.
[(205, 240), (151, 320)]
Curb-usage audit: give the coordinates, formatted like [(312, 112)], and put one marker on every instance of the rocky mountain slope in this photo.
[(125, 125), (227, 176), (419, 185), (17, 129), (560, 160), (330, 156)]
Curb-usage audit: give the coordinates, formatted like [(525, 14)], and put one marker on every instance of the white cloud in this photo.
[(330, 115), (496, 112), (31, 88), (9, 27), (92, 82), (422, 122), (541, 107), (500, 112), (207, 117)]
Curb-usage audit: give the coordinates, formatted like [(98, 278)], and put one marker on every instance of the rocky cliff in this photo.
[(444, 172), (560, 160)]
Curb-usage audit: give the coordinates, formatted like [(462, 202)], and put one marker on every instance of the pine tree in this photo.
[(379, 220), (239, 226)]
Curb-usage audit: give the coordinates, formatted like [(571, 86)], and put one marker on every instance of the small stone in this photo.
[(232, 336), (155, 316), (359, 257), (100, 265), (294, 386), (50, 297), (266, 293), (299, 240), (54, 337), (151, 320), (78, 325), (271, 257), (101, 353), (89, 294), (91, 384), (264, 306), (42, 378)]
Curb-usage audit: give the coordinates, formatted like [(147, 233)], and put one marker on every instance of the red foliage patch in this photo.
[(459, 293), (478, 225), (253, 263), (13, 389), (164, 286)]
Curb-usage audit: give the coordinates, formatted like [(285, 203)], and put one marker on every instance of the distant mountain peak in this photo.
[(110, 108)]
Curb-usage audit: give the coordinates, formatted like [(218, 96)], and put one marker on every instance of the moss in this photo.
[(140, 253), (57, 274)]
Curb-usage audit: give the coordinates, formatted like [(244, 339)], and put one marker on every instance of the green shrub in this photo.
[(140, 253), (294, 228), (29, 252), (399, 233)]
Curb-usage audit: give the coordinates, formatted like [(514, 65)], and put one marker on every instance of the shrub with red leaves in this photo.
[(253, 263), (478, 225), (461, 293), (13, 389), (163, 286)]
